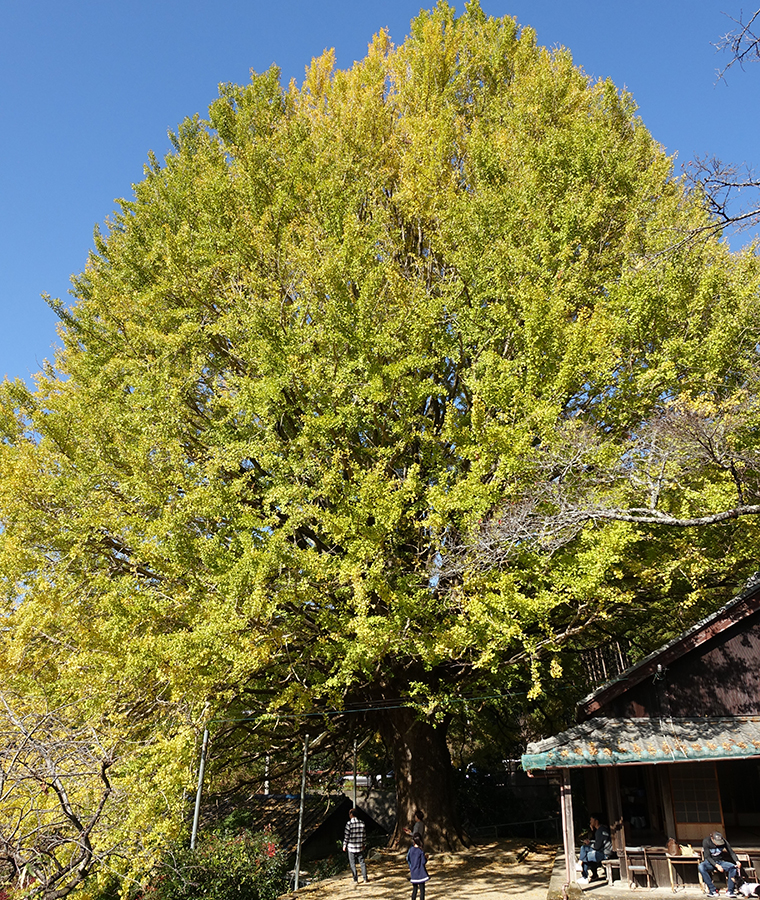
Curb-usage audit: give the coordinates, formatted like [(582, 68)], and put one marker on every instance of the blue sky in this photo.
[(88, 88)]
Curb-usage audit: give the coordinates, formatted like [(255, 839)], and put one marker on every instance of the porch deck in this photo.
[(600, 890), (681, 877)]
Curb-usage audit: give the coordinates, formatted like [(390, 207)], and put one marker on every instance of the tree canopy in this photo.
[(351, 389)]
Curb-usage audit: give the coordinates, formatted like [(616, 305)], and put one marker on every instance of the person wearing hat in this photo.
[(718, 854)]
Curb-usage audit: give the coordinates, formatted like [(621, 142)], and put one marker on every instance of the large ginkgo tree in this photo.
[(357, 410)]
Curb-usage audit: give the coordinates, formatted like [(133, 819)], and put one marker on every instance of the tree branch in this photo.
[(742, 42), (44, 758), (578, 482)]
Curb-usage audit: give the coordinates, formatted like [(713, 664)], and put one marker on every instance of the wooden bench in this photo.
[(609, 865)]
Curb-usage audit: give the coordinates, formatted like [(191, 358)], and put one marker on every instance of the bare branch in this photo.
[(721, 185), (742, 42), (55, 787), (579, 482)]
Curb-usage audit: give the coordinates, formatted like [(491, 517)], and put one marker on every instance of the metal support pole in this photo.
[(266, 775), (300, 811), (354, 773), (201, 770)]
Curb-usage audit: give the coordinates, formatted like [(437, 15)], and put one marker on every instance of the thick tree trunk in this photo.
[(422, 766)]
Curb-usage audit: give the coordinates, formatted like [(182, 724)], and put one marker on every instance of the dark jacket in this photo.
[(715, 854), (417, 871), (603, 841)]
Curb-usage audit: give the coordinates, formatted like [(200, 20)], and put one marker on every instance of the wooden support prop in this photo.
[(614, 808), (568, 829)]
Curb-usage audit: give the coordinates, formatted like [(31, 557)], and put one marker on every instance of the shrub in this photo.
[(243, 866)]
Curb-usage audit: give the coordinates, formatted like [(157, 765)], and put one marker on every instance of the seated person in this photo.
[(595, 849), (718, 855)]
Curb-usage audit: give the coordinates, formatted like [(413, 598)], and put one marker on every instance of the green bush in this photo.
[(333, 865), (239, 866)]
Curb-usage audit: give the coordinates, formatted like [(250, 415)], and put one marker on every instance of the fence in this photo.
[(548, 829)]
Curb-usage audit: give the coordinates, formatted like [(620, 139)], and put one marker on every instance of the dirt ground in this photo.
[(489, 871)]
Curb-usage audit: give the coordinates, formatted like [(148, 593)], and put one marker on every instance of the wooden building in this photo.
[(671, 747)]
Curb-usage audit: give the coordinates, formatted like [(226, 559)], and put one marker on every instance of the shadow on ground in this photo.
[(485, 872)]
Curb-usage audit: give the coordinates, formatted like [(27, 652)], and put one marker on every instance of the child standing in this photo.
[(417, 872)]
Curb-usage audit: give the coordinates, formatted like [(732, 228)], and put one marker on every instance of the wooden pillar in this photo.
[(568, 829), (614, 807), (654, 798), (663, 776)]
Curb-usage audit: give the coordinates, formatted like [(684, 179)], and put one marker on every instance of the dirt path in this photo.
[(487, 872)]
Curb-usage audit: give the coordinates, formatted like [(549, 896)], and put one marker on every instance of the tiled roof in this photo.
[(281, 814), (610, 742)]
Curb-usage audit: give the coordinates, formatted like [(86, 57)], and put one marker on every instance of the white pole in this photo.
[(354, 773), (300, 811), (201, 770)]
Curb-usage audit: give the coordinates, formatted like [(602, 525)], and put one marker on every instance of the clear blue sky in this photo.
[(88, 88)]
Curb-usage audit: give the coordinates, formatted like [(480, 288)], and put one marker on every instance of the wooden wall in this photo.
[(718, 678)]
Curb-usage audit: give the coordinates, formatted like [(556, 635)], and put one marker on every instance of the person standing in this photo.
[(418, 874), (354, 843), (418, 827), (595, 849), (718, 854)]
